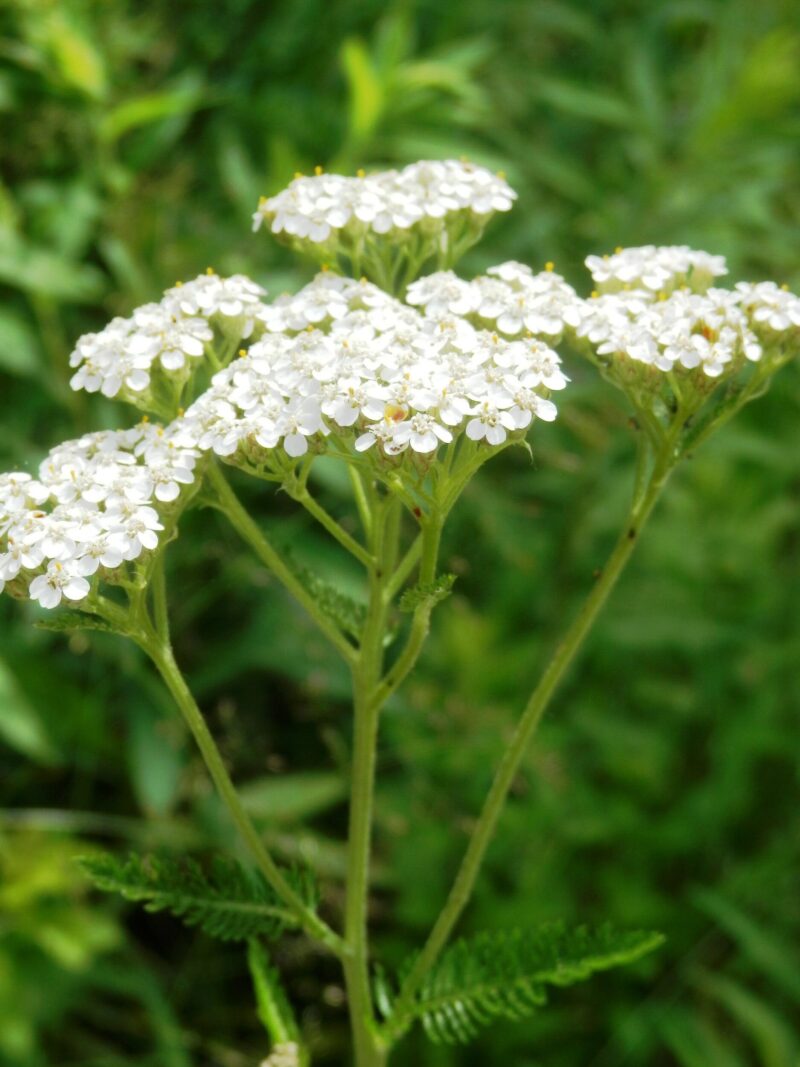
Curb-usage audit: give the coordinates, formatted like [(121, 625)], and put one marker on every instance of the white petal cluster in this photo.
[(171, 335), (654, 306), (363, 363), (770, 305), (97, 503), (316, 207), (655, 269), (710, 330), (510, 298)]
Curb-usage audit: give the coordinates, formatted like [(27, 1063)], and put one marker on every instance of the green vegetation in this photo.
[(662, 790)]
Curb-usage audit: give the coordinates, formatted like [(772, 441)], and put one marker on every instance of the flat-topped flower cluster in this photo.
[(316, 207), (655, 269), (509, 298), (98, 502), (166, 337), (344, 357), (346, 368), (712, 331)]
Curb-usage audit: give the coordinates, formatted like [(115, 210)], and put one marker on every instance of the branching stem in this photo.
[(562, 659), (249, 531)]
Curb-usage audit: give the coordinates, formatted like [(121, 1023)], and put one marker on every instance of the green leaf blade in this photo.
[(229, 903), (503, 976)]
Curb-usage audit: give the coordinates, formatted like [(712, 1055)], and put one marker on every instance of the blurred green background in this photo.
[(135, 139)]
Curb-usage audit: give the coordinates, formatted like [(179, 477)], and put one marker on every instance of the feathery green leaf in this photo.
[(341, 609), (427, 592), (503, 976), (229, 903)]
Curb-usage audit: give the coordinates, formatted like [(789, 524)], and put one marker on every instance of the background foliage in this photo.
[(663, 789)]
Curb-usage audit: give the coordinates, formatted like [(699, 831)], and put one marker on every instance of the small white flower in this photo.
[(770, 305), (59, 580), (314, 209), (422, 433), (164, 337), (655, 269), (490, 423)]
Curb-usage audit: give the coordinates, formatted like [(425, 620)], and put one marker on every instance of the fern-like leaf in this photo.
[(504, 975), (427, 593), (341, 609), (229, 903)]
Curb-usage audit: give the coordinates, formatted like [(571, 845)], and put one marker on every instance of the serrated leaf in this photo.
[(341, 609), (504, 975), (427, 592), (229, 903)]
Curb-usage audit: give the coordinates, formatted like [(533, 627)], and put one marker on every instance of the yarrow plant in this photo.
[(412, 381)]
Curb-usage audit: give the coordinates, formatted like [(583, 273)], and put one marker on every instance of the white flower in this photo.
[(375, 371), (770, 305), (422, 433), (491, 423), (512, 298), (59, 580), (655, 269), (710, 332), (313, 209), (442, 294), (91, 510), (164, 337), (209, 295)]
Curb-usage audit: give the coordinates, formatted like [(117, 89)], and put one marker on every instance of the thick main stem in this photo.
[(509, 766), (368, 1047)]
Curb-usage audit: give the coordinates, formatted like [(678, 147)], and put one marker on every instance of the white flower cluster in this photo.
[(95, 504), (771, 306), (655, 269), (510, 298), (316, 207), (710, 330), (366, 363), (171, 334)]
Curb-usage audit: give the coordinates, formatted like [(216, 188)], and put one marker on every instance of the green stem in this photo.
[(161, 654), (360, 496), (250, 532), (421, 620), (509, 766), (332, 526), (403, 570), (159, 594), (369, 1050)]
